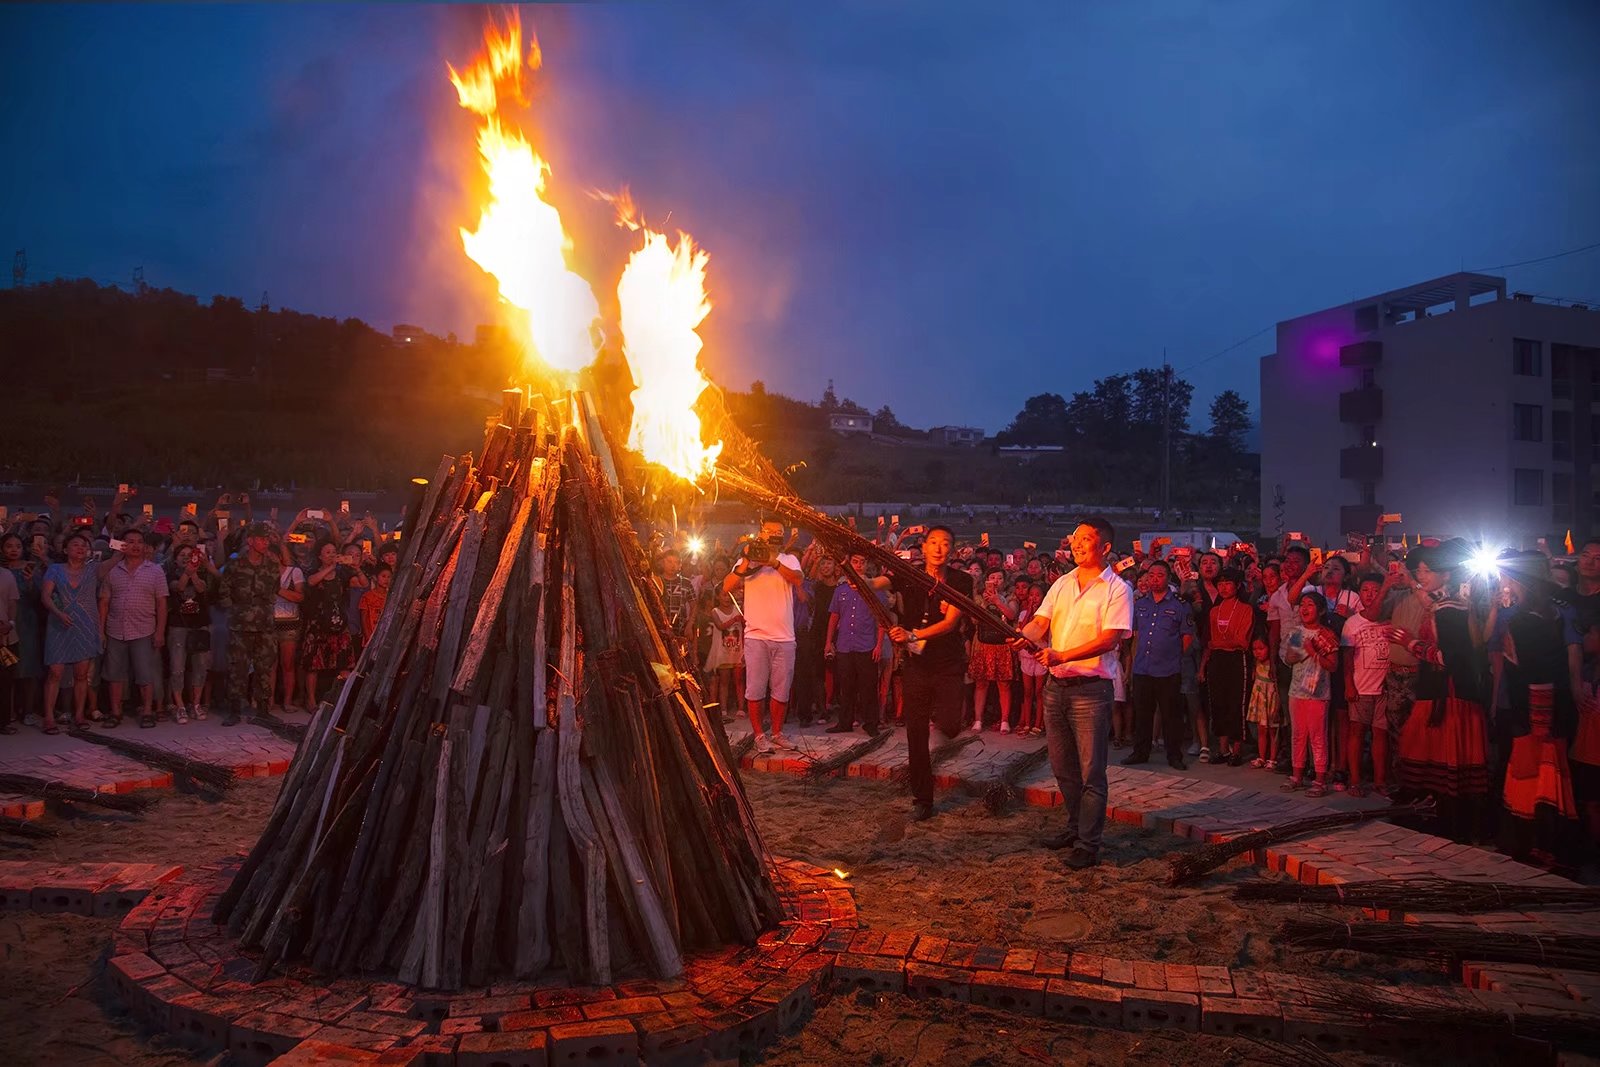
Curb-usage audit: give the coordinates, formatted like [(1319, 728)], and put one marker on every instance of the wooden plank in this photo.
[(533, 933)]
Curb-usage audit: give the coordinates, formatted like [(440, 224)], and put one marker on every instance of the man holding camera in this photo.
[(770, 578)]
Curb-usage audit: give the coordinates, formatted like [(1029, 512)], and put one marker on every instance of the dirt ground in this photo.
[(966, 875)]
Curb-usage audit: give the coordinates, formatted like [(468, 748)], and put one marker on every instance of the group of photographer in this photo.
[(1435, 672), (125, 613)]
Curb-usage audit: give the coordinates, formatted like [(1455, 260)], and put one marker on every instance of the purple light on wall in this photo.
[(1321, 347)]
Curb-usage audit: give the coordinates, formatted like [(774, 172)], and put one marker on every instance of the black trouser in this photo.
[(855, 681), (808, 695), (929, 696), (1152, 696)]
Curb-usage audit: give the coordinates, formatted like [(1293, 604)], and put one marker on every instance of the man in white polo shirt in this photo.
[(133, 619), (1087, 614), (771, 580)]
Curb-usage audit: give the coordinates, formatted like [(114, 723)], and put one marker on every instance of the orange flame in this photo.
[(520, 239), (663, 299)]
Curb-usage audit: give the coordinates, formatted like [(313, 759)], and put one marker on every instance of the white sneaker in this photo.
[(779, 741), (1194, 748), (763, 745), (1005, 727), (977, 726)]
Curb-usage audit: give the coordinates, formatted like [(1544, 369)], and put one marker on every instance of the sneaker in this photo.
[(1258, 763), (1205, 754), (231, 719), (1060, 842), (922, 813), (977, 726), (1005, 727), (779, 741), (1292, 785), (763, 742), (1194, 748), (180, 717), (197, 713), (1132, 759), (1082, 859)]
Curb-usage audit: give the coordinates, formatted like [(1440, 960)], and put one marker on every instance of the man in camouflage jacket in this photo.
[(249, 590)]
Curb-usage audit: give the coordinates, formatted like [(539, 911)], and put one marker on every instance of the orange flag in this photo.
[(1569, 543), (1405, 541)]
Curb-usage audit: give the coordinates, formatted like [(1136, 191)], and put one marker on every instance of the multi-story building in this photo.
[(1462, 409), (969, 436)]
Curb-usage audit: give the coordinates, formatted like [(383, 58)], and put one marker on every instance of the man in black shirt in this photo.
[(932, 679)]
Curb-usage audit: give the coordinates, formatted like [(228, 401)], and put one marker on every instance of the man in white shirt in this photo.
[(1087, 614), (771, 580), (1366, 669)]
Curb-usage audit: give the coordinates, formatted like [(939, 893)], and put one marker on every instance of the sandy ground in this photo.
[(971, 876), (966, 875)]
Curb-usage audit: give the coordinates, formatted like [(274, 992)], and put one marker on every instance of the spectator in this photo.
[(28, 671), (992, 663), (10, 598), (327, 648), (1366, 669), (1163, 630), (1443, 747), (855, 642), (1265, 712), (809, 698), (769, 577), (287, 628), (70, 593), (133, 617), (678, 597), (1087, 613), (373, 600), (1224, 669), (1030, 721), (725, 659), (249, 589), (1311, 650), (191, 591)]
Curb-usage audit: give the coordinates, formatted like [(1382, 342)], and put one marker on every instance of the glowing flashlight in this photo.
[(1485, 562), (696, 545)]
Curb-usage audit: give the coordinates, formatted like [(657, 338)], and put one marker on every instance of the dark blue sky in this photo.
[(946, 207)]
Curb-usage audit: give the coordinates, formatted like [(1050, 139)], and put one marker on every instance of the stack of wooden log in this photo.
[(517, 777)]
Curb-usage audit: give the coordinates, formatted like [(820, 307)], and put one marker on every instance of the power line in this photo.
[(1225, 351), (1538, 259)]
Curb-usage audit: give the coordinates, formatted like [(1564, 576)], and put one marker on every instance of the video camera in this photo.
[(756, 552)]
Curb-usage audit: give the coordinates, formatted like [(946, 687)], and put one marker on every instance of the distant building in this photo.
[(407, 334), (969, 436), (849, 422), (1466, 412), (1028, 453)]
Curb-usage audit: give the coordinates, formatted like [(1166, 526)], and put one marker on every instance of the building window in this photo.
[(1527, 422), (1369, 377), (1527, 487), (1526, 358), (1561, 435), (1561, 496), (1560, 373), (1369, 493)]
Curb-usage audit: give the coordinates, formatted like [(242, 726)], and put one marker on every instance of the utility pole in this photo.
[(19, 268), (1166, 435), (138, 281)]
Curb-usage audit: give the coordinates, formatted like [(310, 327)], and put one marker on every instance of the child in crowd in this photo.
[(373, 600), (725, 661), (1265, 713), (1312, 652)]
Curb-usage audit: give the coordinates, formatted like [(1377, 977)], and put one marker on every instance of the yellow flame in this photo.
[(520, 239), (841, 873), (663, 299)]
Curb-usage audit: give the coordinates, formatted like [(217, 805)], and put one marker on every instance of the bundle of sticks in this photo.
[(1426, 895), (211, 775), (1456, 1019), (518, 775), (1442, 942), (1195, 864), (48, 789)]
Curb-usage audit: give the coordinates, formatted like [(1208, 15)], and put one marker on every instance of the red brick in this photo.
[(489, 1007), (1182, 978), (1086, 967), (1149, 975), (540, 1018), (260, 1036), (897, 943), (930, 949), (1158, 1009), (671, 1039), (1215, 980), (389, 1025), (1116, 972), (552, 998), (1008, 991), (525, 1048), (1052, 964), (601, 1043), (1020, 960), (613, 1009), (1234, 1017), (880, 974), (464, 1024), (932, 980), (1080, 1002)]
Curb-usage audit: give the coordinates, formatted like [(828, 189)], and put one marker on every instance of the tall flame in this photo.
[(663, 298), (520, 239)]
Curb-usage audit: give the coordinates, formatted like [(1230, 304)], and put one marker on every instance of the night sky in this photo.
[(944, 207)]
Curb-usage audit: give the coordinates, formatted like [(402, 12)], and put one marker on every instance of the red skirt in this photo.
[(991, 663), (1538, 776), (1450, 759)]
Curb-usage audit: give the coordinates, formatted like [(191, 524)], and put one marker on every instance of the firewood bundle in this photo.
[(518, 776)]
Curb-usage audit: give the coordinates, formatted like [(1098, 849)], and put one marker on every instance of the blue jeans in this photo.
[(1077, 721)]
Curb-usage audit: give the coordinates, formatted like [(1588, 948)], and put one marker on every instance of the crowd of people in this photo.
[(126, 614), (1439, 672)]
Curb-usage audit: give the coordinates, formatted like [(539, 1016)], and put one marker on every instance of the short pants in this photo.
[(768, 666), (1370, 711), (139, 654)]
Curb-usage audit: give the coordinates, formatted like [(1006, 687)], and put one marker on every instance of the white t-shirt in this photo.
[(288, 609), (769, 603), (1371, 643), (1078, 616)]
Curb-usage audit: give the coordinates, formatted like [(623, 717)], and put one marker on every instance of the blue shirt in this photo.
[(858, 629), (1160, 626)]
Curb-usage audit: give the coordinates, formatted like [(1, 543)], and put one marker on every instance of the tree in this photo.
[(1230, 421), (1042, 421), (1147, 399), (883, 419), (830, 399)]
